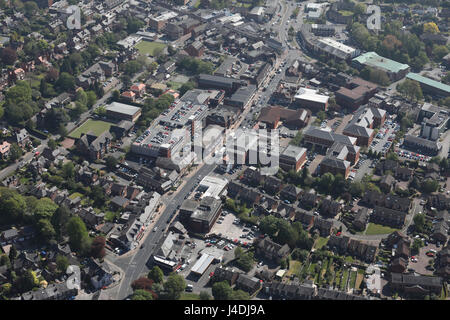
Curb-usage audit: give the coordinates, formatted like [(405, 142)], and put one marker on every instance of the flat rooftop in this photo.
[(311, 95), (123, 108), (372, 59), (337, 45)]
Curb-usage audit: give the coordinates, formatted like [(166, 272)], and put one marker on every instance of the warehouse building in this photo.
[(430, 86), (202, 264), (121, 111), (394, 70)]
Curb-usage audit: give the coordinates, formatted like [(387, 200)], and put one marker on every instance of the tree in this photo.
[(429, 186), (28, 281), (186, 87), (419, 222), (222, 291), (65, 82), (174, 286), (240, 295), (98, 247), (68, 170), (62, 263), (52, 144), (97, 195), (8, 56), (156, 274), (91, 99), (417, 244), (205, 296), (46, 230), (141, 294), (15, 152), (31, 8), (245, 261), (410, 89), (12, 253), (12, 206), (430, 27), (142, 283), (78, 235), (44, 208), (60, 219), (111, 163)]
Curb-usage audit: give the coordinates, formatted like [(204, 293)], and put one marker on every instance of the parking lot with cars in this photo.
[(385, 136), (420, 262), (232, 230)]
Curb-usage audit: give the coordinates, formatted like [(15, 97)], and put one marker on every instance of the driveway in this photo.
[(423, 260)]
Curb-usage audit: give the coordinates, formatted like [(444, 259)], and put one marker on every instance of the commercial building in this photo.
[(325, 46), (272, 116), (355, 93), (430, 86), (394, 70), (311, 99), (200, 216), (421, 145), (292, 158), (157, 23), (434, 121), (361, 125), (325, 138), (241, 97), (123, 111), (230, 85), (212, 186)]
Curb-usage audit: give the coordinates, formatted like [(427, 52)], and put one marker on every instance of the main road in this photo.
[(135, 265)]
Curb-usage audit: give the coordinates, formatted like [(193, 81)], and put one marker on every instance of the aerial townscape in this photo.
[(242, 150)]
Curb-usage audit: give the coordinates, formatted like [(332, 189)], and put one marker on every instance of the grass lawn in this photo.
[(344, 280), (174, 85), (353, 279), (320, 242), (338, 278), (97, 126), (189, 296), (373, 229), (148, 47), (294, 268)]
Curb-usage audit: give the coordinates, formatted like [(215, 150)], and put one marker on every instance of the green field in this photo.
[(374, 229), (97, 126), (148, 47)]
